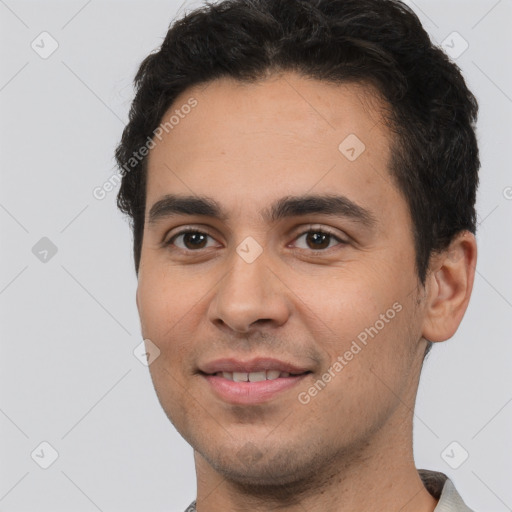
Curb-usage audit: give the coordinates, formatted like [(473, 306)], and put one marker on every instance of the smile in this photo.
[(253, 376), (241, 388)]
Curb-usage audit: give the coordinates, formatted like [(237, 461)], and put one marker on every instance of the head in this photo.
[(338, 118)]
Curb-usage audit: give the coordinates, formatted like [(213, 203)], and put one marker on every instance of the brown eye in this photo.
[(194, 240), (189, 240), (318, 240)]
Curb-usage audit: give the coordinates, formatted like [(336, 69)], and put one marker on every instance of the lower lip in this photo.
[(251, 392)]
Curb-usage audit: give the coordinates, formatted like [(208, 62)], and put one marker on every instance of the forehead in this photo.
[(285, 135)]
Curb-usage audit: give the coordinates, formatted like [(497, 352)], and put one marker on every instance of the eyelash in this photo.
[(322, 231)]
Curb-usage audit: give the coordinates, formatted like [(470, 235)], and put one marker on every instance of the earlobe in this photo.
[(450, 283)]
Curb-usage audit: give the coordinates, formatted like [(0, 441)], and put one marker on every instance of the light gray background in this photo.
[(69, 325)]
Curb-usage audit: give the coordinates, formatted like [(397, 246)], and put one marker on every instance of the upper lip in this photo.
[(252, 365)]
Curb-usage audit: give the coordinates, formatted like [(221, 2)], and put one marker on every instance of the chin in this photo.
[(264, 468)]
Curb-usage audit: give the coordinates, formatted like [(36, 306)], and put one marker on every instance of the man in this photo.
[(301, 176)]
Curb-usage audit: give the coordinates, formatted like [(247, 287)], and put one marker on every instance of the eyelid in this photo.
[(321, 228), (184, 230)]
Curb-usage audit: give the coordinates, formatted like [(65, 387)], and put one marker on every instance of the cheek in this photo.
[(164, 308), (164, 304), (369, 307), (367, 332), (339, 301)]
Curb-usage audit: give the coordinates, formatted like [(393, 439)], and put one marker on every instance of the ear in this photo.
[(449, 286)]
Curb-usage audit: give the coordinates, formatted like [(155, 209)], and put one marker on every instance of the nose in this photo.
[(249, 294)]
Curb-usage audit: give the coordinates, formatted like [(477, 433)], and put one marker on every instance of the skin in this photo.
[(350, 447)]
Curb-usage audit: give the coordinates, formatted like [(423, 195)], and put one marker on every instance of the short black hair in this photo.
[(380, 43)]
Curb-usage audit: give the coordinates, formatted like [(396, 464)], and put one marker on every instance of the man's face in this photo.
[(295, 292)]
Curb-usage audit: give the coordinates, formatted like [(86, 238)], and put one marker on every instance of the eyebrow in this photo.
[(289, 206)]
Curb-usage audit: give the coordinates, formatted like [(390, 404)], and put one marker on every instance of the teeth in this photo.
[(257, 376), (254, 376)]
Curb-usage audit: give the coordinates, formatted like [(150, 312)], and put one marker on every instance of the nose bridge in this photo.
[(249, 291)]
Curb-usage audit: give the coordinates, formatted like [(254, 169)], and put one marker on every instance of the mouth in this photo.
[(251, 382), (256, 376)]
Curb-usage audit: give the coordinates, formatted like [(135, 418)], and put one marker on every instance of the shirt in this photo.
[(441, 488), (436, 483)]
